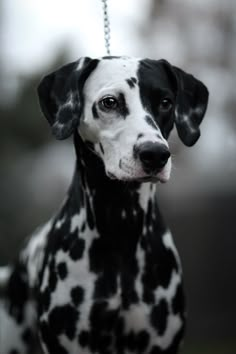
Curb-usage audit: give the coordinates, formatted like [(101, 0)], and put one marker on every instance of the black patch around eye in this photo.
[(95, 112), (151, 122), (123, 109)]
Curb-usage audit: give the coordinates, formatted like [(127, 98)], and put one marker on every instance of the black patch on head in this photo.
[(77, 295), (95, 111), (77, 249), (140, 136), (62, 270), (155, 85), (123, 108), (150, 122), (131, 82), (60, 96), (159, 317)]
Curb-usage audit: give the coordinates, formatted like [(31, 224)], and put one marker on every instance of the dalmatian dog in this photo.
[(103, 276)]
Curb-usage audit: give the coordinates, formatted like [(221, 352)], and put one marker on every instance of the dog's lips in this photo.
[(140, 179), (127, 172)]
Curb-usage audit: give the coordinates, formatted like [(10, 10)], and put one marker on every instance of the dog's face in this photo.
[(125, 107)]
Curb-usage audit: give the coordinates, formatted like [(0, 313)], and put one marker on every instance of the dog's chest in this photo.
[(109, 295)]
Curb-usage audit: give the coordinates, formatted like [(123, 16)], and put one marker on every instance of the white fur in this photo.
[(116, 134)]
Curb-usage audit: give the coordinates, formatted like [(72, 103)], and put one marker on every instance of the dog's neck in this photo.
[(112, 207)]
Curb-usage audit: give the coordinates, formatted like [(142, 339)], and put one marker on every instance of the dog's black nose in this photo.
[(153, 156)]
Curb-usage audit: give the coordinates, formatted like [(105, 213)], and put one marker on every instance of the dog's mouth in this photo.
[(129, 170), (143, 179)]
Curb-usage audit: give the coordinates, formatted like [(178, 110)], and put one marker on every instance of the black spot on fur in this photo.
[(83, 227), (62, 270), (52, 275), (63, 319), (99, 342), (77, 249), (17, 292), (159, 317), (51, 340), (95, 111), (131, 82), (84, 338), (27, 335), (14, 351), (90, 217), (123, 108), (101, 148), (178, 302), (157, 350), (102, 318), (140, 136), (148, 296), (106, 285), (137, 342), (150, 121), (77, 295), (44, 300)]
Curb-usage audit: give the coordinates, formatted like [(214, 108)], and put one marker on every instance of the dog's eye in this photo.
[(108, 102), (166, 104)]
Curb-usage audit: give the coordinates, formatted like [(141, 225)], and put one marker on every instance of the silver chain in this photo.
[(107, 31)]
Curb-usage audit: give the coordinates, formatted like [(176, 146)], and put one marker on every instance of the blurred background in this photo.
[(199, 201)]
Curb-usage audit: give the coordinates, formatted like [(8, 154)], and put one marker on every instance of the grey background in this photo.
[(198, 202)]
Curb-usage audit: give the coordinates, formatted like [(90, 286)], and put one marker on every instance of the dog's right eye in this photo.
[(108, 102)]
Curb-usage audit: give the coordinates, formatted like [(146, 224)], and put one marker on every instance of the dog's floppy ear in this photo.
[(191, 105), (61, 97)]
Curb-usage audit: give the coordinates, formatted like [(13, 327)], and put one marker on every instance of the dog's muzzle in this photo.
[(153, 157)]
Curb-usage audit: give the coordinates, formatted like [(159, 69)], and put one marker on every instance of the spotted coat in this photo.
[(103, 276)]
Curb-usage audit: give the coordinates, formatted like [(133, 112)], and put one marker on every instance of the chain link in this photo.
[(107, 31)]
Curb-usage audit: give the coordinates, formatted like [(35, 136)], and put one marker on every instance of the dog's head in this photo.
[(125, 107)]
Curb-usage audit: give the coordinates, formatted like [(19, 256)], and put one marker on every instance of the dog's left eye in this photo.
[(108, 102), (166, 104)]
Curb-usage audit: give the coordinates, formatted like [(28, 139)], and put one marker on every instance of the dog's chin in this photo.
[(160, 177)]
